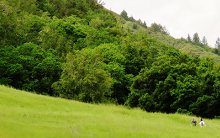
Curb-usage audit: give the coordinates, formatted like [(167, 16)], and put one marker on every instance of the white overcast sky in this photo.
[(180, 17)]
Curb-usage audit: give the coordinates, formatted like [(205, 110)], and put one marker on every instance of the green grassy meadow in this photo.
[(27, 115)]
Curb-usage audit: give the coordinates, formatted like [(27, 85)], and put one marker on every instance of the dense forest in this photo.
[(79, 50)]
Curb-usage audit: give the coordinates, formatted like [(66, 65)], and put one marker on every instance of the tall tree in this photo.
[(204, 41), (217, 43), (131, 19), (144, 24), (196, 39), (83, 78), (189, 38), (124, 14)]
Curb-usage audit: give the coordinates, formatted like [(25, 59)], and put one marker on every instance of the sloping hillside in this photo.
[(181, 44), (25, 115), (188, 48)]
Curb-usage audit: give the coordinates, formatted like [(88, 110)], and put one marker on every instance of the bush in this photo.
[(217, 117), (134, 26), (183, 111)]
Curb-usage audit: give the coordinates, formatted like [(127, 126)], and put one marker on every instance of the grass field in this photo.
[(27, 115)]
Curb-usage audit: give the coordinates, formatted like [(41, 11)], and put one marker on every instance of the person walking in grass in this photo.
[(193, 122)]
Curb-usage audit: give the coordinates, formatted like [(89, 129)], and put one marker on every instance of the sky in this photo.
[(180, 17)]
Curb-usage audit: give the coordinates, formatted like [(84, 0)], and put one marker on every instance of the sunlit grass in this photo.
[(27, 115)]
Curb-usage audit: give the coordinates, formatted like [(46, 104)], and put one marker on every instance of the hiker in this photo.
[(202, 123), (193, 122)]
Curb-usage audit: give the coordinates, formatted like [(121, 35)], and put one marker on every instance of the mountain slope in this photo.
[(181, 44), (188, 48)]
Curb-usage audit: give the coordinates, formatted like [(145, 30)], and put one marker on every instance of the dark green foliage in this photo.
[(183, 111), (172, 83), (140, 51), (186, 92), (29, 67), (114, 63), (134, 26), (205, 106), (147, 103)]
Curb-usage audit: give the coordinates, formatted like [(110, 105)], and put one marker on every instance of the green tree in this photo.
[(144, 24), (9, 35), (114, 63), (162, 94), (63, 35), (159, 28), (196, 39), (134, 26), (29, 67), (131, 19), (204, 41), (83, 78), (124, 15), (147, 103), (170, 81), (139, 52), (21, 6), (189, 38), (186, 92), (217, 43), (205, 106)]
